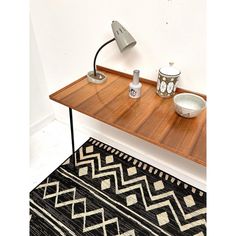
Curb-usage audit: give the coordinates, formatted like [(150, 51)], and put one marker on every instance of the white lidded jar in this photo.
[(167, 80), (135, 86)]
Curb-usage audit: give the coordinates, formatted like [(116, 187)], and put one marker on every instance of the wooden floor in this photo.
[(151, 117)]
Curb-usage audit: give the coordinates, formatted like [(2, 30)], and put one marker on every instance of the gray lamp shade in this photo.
[(123, 38)]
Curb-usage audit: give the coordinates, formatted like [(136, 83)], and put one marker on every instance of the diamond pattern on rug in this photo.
[(111, 193), (109, 159), (163, 218), (89, 149), (131, 171), (189, 201), (131, 199), (105, 184), (158, 185), (83, 171)]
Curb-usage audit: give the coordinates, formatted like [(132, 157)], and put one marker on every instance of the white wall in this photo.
[(69, 32), (41, 111)]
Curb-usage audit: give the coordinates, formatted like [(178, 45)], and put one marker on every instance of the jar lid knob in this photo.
[(171, 63)]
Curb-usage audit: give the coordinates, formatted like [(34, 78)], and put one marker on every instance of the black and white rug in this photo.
[(113, 194)]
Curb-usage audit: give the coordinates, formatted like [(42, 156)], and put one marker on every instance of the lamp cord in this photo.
[(94, 62)]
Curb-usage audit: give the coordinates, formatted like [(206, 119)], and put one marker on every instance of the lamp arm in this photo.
[(94, 62)]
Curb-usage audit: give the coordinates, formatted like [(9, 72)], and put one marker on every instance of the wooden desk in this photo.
[(151, 117)]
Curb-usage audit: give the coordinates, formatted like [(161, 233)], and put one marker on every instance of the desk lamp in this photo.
[(123, 39)]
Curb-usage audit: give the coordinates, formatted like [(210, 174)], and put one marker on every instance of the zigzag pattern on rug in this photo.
[(109, 193), (112, 169), (84, 214)]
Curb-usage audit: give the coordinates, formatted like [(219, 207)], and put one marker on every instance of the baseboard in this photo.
[(36, 126)]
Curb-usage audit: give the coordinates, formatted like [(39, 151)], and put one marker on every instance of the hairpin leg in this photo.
[(72, 137)]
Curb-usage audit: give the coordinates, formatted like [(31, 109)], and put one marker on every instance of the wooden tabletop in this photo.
[(150, 117)]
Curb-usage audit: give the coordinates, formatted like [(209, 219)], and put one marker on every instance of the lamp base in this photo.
[(98, 79)]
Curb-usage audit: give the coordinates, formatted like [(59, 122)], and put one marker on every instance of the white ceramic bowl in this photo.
[(189, 105)]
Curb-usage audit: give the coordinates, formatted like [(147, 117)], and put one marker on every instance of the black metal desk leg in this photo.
[(72, 137)]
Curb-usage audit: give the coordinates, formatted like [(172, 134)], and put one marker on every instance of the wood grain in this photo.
[(138, 113), (150, 117), (119, 106)]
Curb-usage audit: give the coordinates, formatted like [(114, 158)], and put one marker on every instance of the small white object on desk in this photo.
[(135, 86), (189, 105)]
